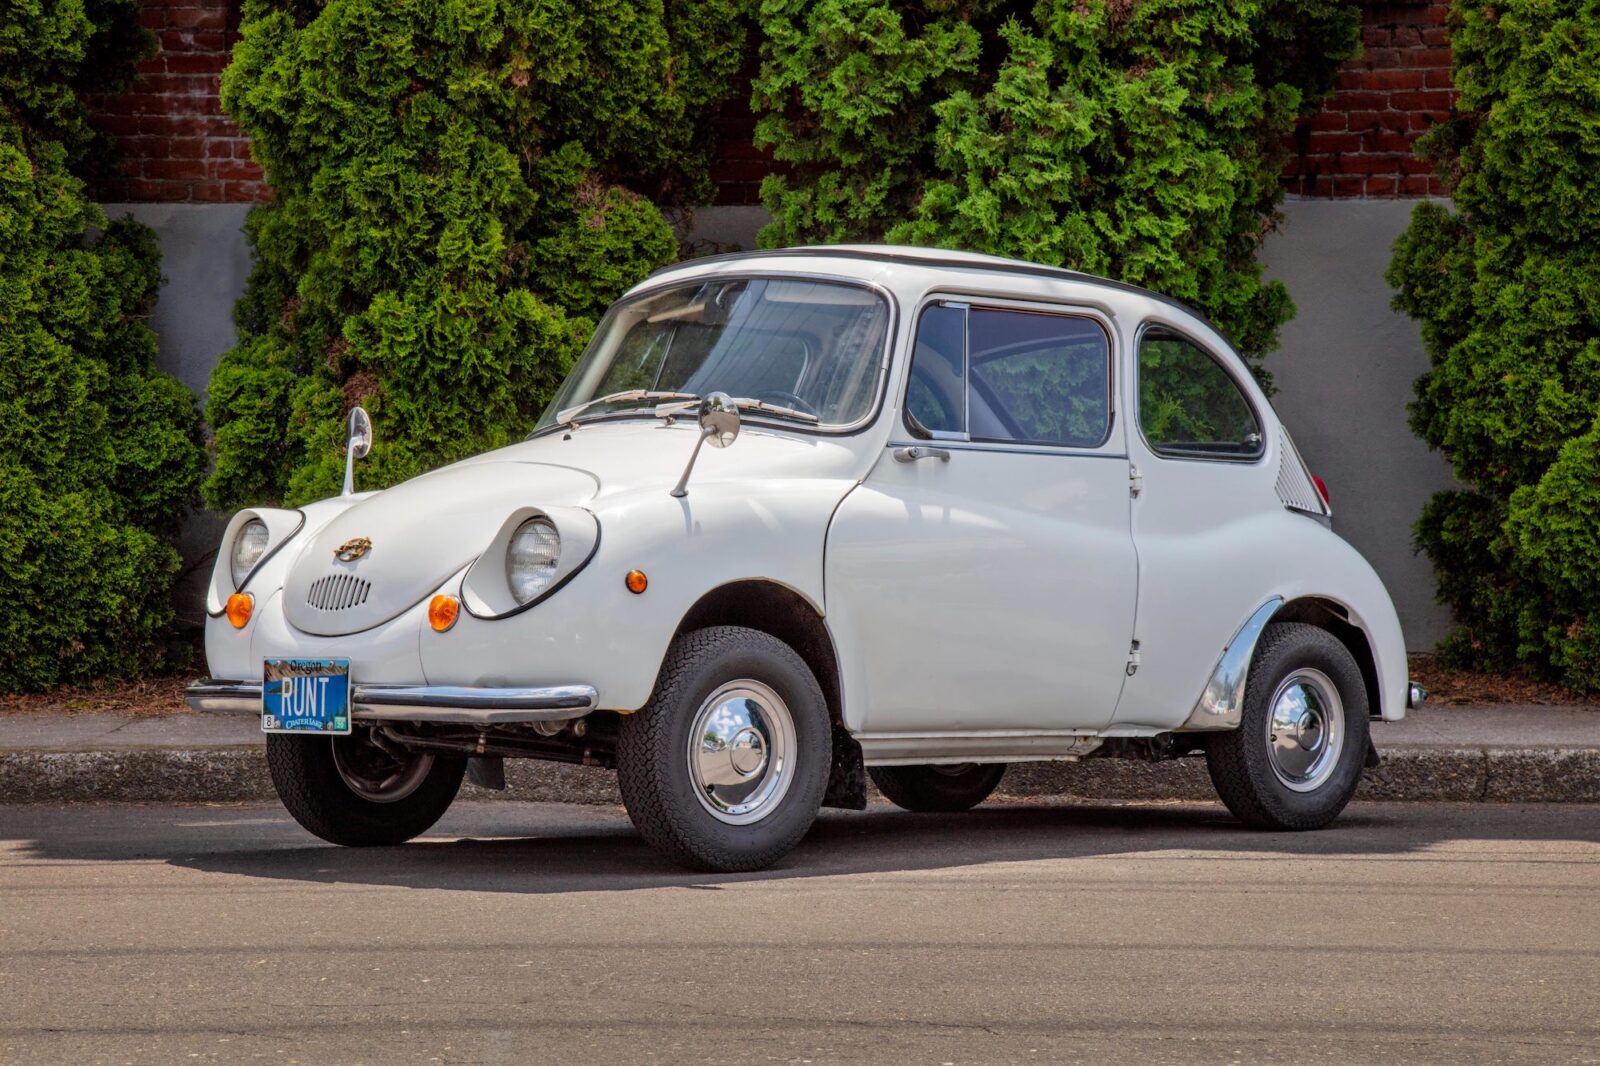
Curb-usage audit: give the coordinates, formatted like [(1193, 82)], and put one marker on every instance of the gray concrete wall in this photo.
[(1344, 370), (204, 261)]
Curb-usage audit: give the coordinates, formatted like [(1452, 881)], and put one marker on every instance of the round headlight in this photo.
[(249, 545), (531, 558)]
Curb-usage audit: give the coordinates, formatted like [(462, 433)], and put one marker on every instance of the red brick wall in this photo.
[(1360, 143), (178, 147)]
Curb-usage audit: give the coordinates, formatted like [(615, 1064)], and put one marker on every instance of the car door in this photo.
[(982, 577), (1198, 445)]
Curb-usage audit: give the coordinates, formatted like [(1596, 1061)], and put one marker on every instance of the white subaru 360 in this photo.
[(799, 518)]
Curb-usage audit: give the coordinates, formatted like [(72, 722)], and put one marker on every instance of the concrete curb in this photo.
[(230, 774)]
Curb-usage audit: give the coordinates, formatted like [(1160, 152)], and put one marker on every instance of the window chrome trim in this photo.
[(1008, 448), (1222, 364), (1025, 305), (843, 429)]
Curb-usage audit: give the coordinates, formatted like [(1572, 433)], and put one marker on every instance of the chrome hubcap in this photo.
[(740, 747), (1305, 731), (377, 775)]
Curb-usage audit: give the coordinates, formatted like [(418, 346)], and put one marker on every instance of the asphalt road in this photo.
[(521, 933)]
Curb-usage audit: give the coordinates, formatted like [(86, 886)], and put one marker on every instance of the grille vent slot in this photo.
[(1294, 484), (336, 592)]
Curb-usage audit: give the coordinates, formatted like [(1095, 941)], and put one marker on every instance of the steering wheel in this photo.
[(790, 399)]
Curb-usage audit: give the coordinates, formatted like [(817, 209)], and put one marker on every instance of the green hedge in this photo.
[(100, 454), (458, 192), (1140, 141), (1507, 288)]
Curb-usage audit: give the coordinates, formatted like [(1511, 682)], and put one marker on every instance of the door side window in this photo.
[(1001, 375), (1189, 406), (1038, 378)]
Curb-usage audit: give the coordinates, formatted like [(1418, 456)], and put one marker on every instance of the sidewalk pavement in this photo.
[(1501, 752)]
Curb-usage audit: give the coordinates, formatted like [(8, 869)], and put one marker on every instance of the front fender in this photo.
[(595, 631)]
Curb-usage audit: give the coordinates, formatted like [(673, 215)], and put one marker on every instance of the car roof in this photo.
[(940, 257)]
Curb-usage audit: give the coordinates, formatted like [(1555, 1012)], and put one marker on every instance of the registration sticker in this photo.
[(305, 696)]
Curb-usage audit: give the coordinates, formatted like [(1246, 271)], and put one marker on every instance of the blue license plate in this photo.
[(305, 696)]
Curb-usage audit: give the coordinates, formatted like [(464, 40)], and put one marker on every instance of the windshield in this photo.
[(812, 346)]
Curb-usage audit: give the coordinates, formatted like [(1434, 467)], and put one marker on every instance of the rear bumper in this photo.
[(417, 703), (1416, 695)]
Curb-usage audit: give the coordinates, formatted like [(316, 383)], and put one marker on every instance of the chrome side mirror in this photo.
[(719, 419), (719, 424), (358, 442)]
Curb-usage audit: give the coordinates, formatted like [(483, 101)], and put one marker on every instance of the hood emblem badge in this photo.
[(352, 549)]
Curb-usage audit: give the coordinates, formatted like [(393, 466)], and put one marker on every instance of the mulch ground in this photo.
[(151, 696), (1452, 688), (164, 695)]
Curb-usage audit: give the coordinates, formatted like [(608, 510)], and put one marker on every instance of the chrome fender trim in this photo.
[(1221, 705)]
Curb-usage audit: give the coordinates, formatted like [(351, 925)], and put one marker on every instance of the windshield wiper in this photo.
[(567, 417), (776, 411), (743, 403)]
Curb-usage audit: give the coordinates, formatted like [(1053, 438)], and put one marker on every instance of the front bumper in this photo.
[(417, 703)]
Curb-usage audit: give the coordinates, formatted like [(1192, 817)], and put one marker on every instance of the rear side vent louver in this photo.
[(1295, 487), (337, 592)]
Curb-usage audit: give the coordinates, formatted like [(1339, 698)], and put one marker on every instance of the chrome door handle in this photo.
[(920, 451)]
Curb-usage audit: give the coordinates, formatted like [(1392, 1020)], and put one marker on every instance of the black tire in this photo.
[(1241, 765), (653, 751), (937, 789), (311, 788)]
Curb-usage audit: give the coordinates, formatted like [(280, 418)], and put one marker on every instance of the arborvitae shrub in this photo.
[(100, 454), (1507, 288), (1142, 141), (458, 190)]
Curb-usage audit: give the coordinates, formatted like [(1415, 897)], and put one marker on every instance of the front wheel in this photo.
[(725, 768), (1296, 758), (931, 789), (348, 790)]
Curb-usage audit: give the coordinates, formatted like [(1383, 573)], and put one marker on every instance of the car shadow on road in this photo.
[(532, 849)]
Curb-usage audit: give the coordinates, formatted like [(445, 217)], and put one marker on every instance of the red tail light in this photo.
[(1322, 490)]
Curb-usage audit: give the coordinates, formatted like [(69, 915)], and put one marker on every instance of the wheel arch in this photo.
[(1221, 704), (781, 612), (1326, 613)]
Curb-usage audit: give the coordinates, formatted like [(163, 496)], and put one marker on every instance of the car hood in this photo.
[(420, 532), (629, 455), (426, 529)]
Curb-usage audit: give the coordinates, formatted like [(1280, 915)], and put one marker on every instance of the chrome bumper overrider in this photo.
[(417, 703), (1416, 695)]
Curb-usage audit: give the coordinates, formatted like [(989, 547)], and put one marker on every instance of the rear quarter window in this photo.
[(1189, 406)]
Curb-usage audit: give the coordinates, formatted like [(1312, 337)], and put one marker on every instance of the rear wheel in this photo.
[(1296, 758), (349, 790), (937, 788), (725, 768)]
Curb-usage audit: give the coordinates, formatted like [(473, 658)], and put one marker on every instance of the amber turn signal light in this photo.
[(442, 612), (637, 582), (241, 605)]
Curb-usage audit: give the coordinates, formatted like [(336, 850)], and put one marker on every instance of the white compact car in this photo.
[(956, 512)]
